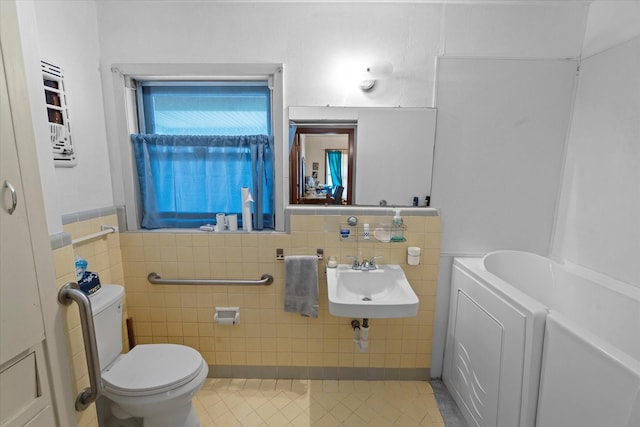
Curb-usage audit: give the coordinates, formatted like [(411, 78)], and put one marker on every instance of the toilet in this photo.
[(154, 383)]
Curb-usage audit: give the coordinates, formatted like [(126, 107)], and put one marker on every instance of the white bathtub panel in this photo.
[(475, 374), (585, 382), (591, 366), (634, 416), (489, 368), (603, 306)]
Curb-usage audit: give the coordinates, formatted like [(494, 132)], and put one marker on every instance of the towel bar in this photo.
[(280, 254), (155, 279)]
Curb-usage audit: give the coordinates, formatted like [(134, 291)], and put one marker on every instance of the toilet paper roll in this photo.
[(232, 222), (226, 321), (220, 219)]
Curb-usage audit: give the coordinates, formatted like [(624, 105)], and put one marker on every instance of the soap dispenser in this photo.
[(397, 231)]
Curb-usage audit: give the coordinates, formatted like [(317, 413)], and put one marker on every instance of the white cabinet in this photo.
[(20, 315), (25, 398)]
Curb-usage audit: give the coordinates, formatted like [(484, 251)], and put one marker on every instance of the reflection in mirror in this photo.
[(322, 165)]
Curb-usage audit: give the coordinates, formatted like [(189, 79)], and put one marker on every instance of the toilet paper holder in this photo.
[(227, 315)]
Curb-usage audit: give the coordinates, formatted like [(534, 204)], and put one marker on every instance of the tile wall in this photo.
[(103, 255), (269, 342)]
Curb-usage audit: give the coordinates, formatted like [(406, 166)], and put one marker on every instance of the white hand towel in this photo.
[(301, 285)]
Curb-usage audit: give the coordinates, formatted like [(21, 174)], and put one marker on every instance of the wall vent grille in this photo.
[(58, 115)]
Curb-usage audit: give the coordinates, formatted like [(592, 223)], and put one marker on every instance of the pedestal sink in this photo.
[(380, 293)]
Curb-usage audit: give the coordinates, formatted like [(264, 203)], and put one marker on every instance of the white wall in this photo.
[(599, 220), (29, 39), (526, 30), (610, 23), (486, 126), (500, 143), (64, 33), (314, 41), (67, 37)]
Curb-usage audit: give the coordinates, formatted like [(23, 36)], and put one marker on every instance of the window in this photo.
[(204, 108), (199, 144), (337, 163)]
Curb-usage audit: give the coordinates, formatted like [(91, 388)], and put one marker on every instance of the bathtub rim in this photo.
[(624, 288), (502, 288)]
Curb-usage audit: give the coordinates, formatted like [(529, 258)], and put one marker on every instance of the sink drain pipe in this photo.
[(361, 334)]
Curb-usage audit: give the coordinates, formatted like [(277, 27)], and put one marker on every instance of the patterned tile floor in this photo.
[(296, 403)]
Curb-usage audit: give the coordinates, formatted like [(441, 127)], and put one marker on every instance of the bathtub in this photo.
[(531, 342)]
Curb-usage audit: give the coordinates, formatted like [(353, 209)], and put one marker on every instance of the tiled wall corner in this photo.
[(104, 257), (64, 266)]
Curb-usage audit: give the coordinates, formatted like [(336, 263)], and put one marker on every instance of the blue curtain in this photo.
[(335, 167), (185, 180)]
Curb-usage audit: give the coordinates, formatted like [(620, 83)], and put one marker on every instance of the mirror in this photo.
[(322, 165), (394, 157)]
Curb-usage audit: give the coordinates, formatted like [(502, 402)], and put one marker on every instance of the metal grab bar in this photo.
[(106, 229), (155, 279), (69, 293)]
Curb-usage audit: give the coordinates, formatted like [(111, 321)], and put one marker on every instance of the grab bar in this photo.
[(69, 293), (155, 279), (106, 229)]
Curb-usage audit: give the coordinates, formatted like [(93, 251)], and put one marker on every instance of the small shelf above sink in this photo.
[(378, 232), (381, 293)]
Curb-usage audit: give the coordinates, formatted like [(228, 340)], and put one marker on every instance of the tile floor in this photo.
[(232, 402)]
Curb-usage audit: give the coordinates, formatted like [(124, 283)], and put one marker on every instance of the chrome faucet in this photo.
[(365, 265), (356, 263), (372, 262)]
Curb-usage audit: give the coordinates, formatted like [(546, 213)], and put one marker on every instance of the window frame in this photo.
[(124, 174)]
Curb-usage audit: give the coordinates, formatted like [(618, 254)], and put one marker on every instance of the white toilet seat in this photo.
[(152, 369)]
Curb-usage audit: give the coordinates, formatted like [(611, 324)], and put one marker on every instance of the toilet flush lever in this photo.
[(69, 293)]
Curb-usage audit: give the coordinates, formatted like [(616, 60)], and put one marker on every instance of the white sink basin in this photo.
[(381, 293)]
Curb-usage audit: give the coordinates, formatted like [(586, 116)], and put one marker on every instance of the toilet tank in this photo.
[(106, 306)]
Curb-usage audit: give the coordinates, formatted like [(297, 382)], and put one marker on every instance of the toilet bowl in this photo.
[(156, 382), (153, 382)]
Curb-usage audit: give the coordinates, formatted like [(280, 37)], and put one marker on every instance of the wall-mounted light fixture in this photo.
[(373, 73)]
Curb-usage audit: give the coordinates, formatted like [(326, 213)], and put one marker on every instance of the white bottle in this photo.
[(365, 231)]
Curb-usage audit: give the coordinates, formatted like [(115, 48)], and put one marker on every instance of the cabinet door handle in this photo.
[(14, 197)]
